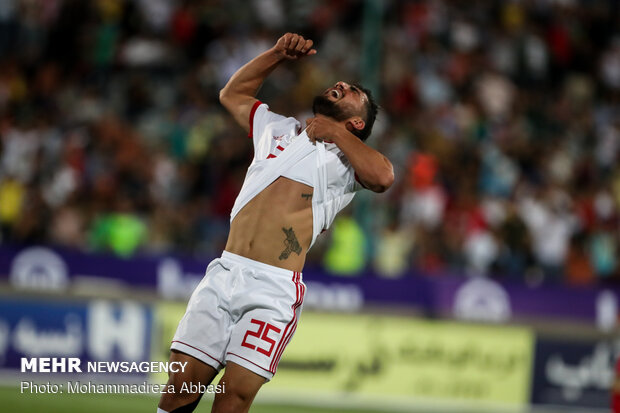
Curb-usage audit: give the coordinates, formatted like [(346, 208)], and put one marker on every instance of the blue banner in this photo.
[(574, 373), (92, 331), (41, 268)]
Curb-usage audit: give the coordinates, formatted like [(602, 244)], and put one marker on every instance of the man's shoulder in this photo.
[(270, 118)]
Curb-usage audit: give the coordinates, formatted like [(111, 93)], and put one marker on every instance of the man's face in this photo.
[(340, 102)]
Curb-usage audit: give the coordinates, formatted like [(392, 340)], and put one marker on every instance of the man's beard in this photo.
[(323, 106)]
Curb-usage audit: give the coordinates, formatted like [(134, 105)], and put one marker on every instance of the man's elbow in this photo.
[(231, 101), (383, 182), (224, 96), (386, 181)]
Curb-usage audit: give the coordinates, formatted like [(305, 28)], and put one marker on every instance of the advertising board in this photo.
[(45, 269), (89, 331), (398, 356), (392, 356), (576, 374)]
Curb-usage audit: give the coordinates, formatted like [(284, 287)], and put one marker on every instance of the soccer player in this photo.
[(245, 310)]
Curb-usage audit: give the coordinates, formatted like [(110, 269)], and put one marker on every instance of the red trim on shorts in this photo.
[(271, 156), (275, 357), (292, 332), (249, 361), (279, 147), (252, 112), (286, 344), (208, 355), (299, 292)]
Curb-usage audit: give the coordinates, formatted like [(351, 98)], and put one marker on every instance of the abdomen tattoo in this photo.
[(291, 244)]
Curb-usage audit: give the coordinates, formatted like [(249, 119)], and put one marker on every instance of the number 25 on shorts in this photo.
[(261, 334)]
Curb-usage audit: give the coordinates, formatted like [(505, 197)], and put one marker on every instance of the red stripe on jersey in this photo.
[(279, 148), (252, 112), (271, 156)]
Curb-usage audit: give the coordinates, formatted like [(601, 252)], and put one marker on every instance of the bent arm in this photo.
[(372, 168), (239, 94)]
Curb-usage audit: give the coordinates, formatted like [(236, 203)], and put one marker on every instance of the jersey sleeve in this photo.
[(260, 118)]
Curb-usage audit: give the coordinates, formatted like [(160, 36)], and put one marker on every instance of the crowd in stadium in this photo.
[(502, 122)]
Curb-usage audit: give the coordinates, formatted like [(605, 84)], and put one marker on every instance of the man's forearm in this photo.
[(239, 94), (249, 78), (373, 169)]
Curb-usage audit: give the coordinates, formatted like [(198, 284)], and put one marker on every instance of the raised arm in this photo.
[(373, 170), (239, 94)]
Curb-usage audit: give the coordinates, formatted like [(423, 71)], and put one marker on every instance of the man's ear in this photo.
[(355, 123)]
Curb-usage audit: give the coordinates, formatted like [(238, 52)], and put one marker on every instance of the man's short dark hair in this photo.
[(370, 115)]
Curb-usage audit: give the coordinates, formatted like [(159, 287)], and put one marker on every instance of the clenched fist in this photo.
[(293, 46)]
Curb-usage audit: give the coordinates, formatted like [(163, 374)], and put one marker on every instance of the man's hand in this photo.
[(293, 46), (321, 128)]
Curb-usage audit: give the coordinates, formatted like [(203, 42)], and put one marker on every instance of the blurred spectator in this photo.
[(393, 254), (347, 252), (551, 225)]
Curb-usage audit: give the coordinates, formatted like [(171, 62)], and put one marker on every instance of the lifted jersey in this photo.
[(281, 148)]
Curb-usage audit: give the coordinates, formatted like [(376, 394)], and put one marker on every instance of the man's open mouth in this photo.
[(335, 93)]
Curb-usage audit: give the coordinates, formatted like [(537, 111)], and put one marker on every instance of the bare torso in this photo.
[(275, 227)]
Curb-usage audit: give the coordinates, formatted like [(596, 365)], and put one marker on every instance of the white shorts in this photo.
[(242, 311)]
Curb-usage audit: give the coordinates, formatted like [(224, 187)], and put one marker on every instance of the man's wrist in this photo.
[(341, 134), (279, 55)]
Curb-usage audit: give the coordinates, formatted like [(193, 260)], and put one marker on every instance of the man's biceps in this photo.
[(358, 181), (242, 114)]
